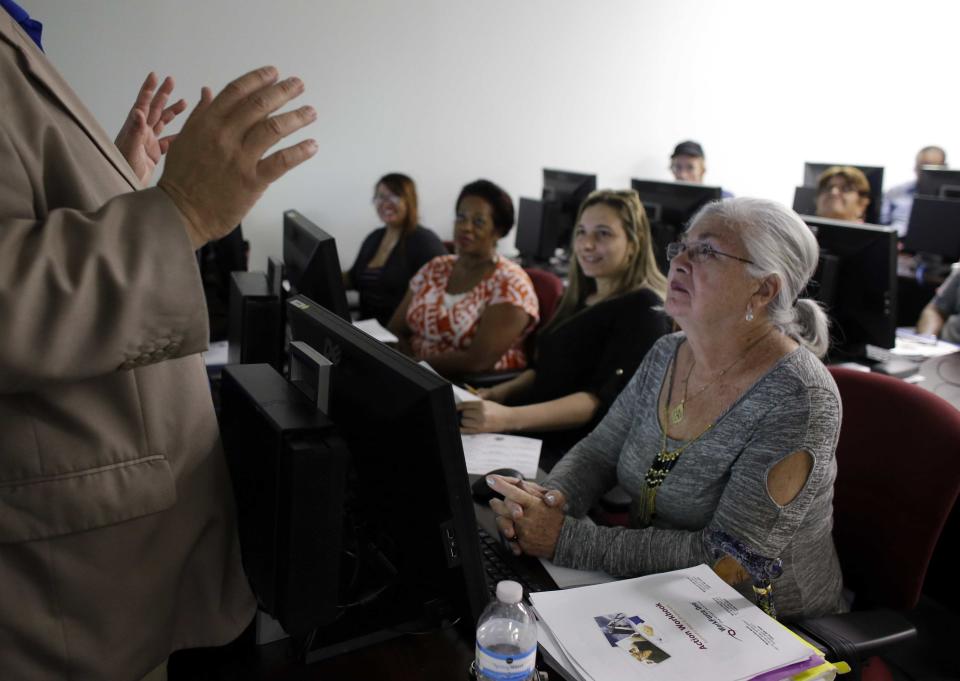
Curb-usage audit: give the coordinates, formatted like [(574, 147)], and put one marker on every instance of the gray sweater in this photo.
[(717, 484)]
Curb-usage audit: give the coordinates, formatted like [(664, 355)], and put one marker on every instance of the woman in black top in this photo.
[(392, 254), (608, 318)]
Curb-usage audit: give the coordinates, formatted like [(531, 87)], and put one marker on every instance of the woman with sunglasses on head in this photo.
[(724, 438), (391, 254), (609, 317)]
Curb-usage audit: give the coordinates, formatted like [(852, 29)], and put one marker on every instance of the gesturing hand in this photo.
[(530, 516), (215, 170), (139, 139)]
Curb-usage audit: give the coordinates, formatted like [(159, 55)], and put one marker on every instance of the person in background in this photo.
[(941, 316), (843, 193), (609, 317), (724, 438), (391, 254), (898, 201), (469, 312), (118, 541), (688, 164)]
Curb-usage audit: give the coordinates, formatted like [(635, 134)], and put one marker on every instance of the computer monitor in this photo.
[(311, 264), (254, 321), (566, 190), (536, 240), (939, 182), (669, 206), (288, 467), (805, 200), (861, 262), (409, 508), (874, 174), (934, 228)]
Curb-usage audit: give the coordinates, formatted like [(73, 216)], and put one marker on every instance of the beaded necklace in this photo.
[(664, 462)]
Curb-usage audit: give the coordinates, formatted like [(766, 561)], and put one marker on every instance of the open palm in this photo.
[(139, 139)]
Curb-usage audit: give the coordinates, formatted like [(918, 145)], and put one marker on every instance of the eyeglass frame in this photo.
[(848, 187), (677, 247), (386, 198)]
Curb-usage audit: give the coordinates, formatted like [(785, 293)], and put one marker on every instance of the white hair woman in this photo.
[(725, 436)]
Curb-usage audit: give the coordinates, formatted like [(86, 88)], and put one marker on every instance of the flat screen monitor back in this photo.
[(311, 264), (254, 325), (410, 499), (566, 190), (805, 200), (669, 207), (934, 228), (874, 174), (864, 306), (535, 239), (939, 182)]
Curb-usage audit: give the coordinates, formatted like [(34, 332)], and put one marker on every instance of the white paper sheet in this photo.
[(567, 578), (485, 452), (216, 355), (459, 394), (376, 329)]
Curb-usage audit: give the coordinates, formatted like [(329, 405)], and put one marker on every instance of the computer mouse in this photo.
[(482, 492)]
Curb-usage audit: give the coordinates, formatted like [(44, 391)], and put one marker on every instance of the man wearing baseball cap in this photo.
[(687, 163)]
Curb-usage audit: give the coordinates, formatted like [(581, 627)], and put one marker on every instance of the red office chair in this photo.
[(898, 477), (549, 290)]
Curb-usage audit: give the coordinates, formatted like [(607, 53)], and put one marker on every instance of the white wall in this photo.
[(448, 91)]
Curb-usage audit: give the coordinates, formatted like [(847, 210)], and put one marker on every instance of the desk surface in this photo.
[(441, 655), (942, 377)]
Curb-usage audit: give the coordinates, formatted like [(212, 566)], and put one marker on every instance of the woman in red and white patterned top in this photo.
[(470, 312)]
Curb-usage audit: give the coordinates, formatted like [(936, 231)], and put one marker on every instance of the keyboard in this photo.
[(499, 564)]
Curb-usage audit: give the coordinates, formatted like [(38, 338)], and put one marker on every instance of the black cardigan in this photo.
[(380, 296), (596, 350)]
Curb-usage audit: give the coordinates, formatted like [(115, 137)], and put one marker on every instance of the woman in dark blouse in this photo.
[(608, 318), (392, 254)]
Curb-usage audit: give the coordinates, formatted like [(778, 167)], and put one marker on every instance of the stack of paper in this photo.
[(673, 626)]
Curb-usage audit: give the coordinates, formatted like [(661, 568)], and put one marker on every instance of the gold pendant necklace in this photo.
[(676, 413)]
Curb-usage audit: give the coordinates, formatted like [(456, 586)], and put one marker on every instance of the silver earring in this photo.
[(749, 316)]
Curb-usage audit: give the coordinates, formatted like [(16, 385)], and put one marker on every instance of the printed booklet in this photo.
[(674, 626)]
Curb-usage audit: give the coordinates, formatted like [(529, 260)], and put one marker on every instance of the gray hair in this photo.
[(780, 244)]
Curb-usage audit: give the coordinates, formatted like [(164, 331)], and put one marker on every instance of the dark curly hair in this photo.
[(501, 205)]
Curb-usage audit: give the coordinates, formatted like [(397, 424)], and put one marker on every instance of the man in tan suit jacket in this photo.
[(117, 532)]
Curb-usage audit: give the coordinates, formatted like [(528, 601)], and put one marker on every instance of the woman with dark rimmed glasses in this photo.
[(725, 437)]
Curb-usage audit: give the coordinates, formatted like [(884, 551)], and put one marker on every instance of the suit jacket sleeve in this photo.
[(87, 293)]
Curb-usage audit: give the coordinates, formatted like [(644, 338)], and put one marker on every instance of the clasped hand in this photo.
[(530, 516)]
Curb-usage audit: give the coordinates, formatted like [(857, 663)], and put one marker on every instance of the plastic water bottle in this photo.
[(506, 637)]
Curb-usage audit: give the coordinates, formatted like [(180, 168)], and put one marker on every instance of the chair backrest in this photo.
[(549, 290), (898, 476)]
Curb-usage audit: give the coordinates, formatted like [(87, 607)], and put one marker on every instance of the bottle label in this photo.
[(500, 667)]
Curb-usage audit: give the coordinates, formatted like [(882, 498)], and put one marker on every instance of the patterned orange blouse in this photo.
[(442, 322)]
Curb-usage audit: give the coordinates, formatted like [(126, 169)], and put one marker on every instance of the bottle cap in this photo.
[(509, 592)]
